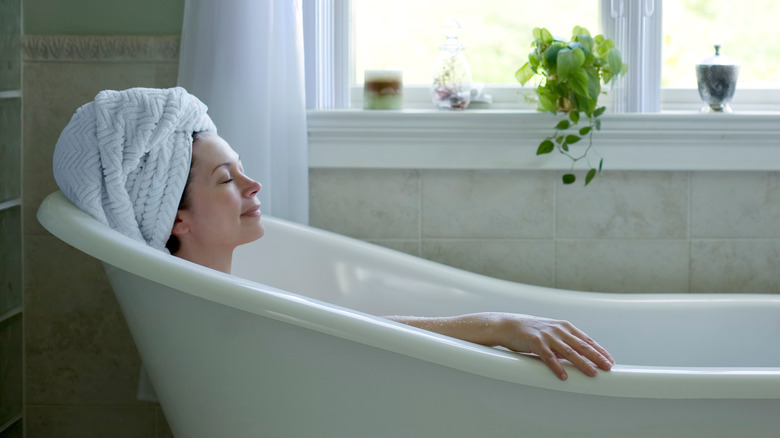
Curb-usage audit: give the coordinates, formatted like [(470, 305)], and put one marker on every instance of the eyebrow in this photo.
[(223, 164), (226, 163)]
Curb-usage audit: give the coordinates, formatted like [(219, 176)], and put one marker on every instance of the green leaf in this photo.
[(597, 124), (574, 116), (604, 45), (571, 139), (579, 31), (599, 111), (606, 75), (614, 61), (547, 37), (594, 84), (589, 177), (547, 99), (578, 58), (587, 42), (585, 130), (563, 124), (524, 73), (545, 147), (584, 103), (551, 57), (565, 63), (601, 163), (533, 59), (565, 147), (560, 139), (569, 178), (579, 81)]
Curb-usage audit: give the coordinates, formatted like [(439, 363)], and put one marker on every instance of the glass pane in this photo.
[(10, 259), (746, 31), (10, 37), (10, 148), (406, 34), (10, 368)]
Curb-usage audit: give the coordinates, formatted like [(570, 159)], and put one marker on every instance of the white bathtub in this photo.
[(290, 346)]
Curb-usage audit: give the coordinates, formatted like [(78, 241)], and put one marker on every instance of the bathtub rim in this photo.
[(80, 230)]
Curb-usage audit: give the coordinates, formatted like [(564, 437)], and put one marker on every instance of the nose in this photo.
[(252, 187)]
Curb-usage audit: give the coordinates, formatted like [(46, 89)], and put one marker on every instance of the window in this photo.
[(406, 34), (662, 49), (746, 31)]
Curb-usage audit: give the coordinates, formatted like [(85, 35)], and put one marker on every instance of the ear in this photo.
[(181, 224)]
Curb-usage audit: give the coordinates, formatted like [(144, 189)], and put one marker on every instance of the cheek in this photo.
[(220, 209)]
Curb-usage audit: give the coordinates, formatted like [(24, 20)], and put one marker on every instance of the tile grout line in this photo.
[(688, 233), (419, 212), (555, 233)]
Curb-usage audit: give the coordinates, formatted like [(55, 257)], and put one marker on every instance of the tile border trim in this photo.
[(92, 48)]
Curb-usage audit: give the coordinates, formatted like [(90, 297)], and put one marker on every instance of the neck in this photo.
[(215, 258)]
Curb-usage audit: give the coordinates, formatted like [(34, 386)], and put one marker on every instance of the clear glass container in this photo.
[(452, 82), (717, 79)]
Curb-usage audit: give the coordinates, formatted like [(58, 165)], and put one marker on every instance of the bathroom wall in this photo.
[(81, 366), (637, 232)]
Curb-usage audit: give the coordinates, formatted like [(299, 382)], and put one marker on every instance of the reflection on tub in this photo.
[(291, 346)]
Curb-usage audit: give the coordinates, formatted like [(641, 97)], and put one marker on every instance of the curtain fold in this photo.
[(244, 59)]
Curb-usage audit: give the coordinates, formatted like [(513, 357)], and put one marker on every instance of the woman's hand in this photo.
[(549, 339)]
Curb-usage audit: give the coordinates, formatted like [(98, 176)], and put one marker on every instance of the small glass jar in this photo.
[(717, 79), (452, 82)]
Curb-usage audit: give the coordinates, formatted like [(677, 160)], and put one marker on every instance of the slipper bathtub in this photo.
[(292, 345)]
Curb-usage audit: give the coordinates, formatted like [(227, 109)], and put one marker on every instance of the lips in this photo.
[(252, 211)]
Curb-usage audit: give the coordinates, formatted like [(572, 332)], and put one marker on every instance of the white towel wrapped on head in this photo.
[(125, 157)]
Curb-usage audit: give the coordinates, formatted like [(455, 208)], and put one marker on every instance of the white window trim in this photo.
[(635, 26), (327, 30)]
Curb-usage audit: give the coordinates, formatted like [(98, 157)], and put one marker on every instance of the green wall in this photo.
[(103, 17)]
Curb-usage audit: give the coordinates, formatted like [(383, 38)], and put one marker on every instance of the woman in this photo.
[(130, 159), (219, 211)]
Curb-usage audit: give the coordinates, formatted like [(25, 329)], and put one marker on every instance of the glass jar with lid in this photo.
[(717, 79), (452, 82)]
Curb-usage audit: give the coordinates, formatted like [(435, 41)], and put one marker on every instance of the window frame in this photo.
[(330, 74)]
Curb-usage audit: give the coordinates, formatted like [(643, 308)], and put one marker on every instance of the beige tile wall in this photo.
[(626, 232), (82, 367)]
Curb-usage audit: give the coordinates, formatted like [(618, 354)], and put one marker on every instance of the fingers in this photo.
[(551, 340), (587, 351), (594, 346), (551, 360), (567, 342)]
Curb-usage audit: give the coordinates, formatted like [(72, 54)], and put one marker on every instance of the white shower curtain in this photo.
[(244, 59)]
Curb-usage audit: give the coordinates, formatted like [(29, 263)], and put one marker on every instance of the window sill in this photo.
[(508, 139)]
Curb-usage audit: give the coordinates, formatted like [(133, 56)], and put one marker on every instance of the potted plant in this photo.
[(572, 73)]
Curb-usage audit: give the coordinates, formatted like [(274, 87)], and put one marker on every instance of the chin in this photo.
[(252, 232), (258, 232)]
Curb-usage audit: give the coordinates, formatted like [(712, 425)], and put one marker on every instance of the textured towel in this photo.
[(125, 157)]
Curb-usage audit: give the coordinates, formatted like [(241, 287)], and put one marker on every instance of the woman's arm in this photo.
[(547, 338)]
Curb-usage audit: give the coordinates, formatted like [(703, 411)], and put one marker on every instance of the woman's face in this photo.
[(222, 205)]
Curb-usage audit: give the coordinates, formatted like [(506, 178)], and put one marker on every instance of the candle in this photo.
[(382, 89)]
